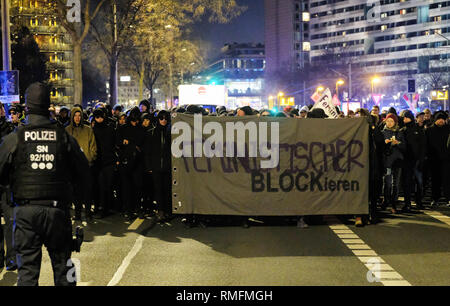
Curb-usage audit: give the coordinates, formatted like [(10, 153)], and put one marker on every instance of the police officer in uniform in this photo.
[(40, 161)]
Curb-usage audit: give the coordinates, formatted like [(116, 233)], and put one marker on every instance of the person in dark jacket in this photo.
[(414, 157), (159, 162), (439, 157), (129, 141), (105, 162), (147, 178), (376, 145), (393, 156)]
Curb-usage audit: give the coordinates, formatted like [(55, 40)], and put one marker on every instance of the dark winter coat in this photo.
[(105, 137), (158, 149), (416, 143), (393, 154), (5, 127), (130, 154), (437, 138)]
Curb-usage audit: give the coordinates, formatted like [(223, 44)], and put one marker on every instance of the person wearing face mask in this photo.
[(159, 164), (392, 159), (439, 157), (416, 144)]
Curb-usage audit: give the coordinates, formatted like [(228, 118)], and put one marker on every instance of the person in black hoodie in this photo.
[(159, 161), (105, 162), (439, 157), (129, 141), (147, 179), (414, 157)]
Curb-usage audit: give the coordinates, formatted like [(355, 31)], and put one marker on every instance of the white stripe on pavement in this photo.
[(439, 216), (378, 270), (126, 262), (135, 224)]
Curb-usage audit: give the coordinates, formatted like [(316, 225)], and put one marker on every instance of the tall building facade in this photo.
[(286, 34), (53, 41), (394, 40), (389, 37), (240, 67)]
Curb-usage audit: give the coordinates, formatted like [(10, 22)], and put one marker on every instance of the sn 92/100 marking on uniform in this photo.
[(42, 157)]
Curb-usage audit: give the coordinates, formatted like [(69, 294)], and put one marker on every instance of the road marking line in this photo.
[(333, 227), (358, 247), (387, 275), (346, 236), (342, 231), (364, 253), (439, 216), (380, 271), (126, 261), (351, 241), (382, 267), (395, 283), (133, 226), (370, 259)]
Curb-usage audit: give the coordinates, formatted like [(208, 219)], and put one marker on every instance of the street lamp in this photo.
[(375, 80), (280, 94), (320, 89), (338, 83)]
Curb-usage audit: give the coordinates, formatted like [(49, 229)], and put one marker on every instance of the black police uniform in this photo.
[(40, 161)]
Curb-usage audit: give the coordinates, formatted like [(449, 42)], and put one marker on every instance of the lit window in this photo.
[(305, 16), (384, 27), (437, 31), (402, 12), (306, 46)]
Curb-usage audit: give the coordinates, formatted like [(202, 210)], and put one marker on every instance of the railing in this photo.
[(60, 65), (44, 29), (62, 100), (16, 10), (56, 47), (61, 83)]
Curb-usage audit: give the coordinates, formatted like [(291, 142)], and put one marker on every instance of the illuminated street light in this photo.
[(375, 80), (320, 89), (338, 83)]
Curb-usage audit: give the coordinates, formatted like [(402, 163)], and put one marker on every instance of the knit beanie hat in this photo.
[(393, 117)]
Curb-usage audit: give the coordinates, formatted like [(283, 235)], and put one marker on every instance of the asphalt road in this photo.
[(411, 249)]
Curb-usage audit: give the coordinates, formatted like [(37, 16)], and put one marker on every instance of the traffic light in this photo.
[(411, 86)]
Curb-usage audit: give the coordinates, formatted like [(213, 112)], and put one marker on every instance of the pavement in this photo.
[(404, 249)]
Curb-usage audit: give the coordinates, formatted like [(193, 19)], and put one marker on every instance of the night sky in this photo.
[(247, 28)]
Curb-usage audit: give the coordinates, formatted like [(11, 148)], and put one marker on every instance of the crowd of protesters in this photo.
[(129, 153)]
